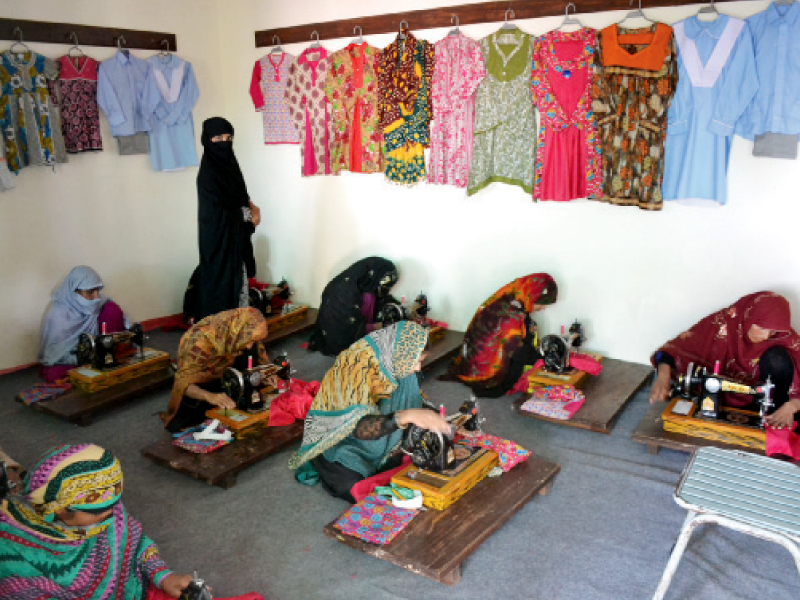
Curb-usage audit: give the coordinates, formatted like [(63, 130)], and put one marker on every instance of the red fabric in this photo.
[(255, 87), (722, 336), (111, 315), (782, 442), (523, 383), (366, 486), (584, 362), (54, 373), (255, 284), (293, 404), (155, 593)]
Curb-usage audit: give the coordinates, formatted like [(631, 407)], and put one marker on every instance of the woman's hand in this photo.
[(662, 384), (221, 400), (256, 212), (784, 416), (422, 417), (173, 584)]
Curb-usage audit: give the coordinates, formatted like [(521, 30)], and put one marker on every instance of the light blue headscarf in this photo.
[(69, 316)]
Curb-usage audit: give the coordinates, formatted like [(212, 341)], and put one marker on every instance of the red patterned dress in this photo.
[(77, 92)]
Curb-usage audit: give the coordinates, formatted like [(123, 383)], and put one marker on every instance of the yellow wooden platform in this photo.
[(728, 432), (285, 319), (574, 377), (89, 379)]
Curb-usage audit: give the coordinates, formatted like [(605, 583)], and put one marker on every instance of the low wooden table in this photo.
[(606, 396), (650, 431), (221, 466), (435, 543), (443, 348), (279, 335), (77, 406)]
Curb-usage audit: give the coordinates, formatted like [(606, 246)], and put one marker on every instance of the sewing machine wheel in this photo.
[(137, 334), (233, 384), (256, 299), (85, 349), (555, 353), (424, 446), (391, 313)]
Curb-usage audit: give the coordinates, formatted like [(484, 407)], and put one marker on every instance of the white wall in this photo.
[(136, 227), (634, 278)]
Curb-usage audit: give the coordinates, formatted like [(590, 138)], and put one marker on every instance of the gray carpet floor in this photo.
[(604, 532)]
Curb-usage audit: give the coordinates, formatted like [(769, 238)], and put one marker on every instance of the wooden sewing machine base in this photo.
[(435, 543)]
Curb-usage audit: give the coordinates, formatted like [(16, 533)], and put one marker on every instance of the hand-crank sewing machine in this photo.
[(249, 387), (442, 468), (269, 299), (697, 408), (393, 311), (555, 349), (107, 350)]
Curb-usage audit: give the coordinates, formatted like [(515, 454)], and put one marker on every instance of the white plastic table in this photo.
[(756, 495)]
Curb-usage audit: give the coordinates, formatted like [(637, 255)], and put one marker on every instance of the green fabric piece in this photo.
[(307, 474)]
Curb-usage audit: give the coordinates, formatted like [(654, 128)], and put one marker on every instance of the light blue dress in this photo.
[(170, 93), (716, 81)]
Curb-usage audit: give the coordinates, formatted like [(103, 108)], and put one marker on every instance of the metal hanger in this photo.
[(711, 9), (121, 42), (315, 37), (19, 42), (455, 31), (74, 37), (277, 49), (569, 20), (636, 14), (164, 51), (359, 39), (402, 35), (506, 23)]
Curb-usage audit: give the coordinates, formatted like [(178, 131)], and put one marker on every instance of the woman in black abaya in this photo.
[(226, 220)]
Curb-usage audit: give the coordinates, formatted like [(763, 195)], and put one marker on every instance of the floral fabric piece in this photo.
[(42, 391), (76, 90), (510, 453), (375, 520), (458, 71), (630, 99), (568, 156), (554, 401), (352, 90), (185, 439), (267, 89)]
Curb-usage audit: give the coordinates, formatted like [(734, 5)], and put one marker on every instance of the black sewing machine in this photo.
[(706, 389), (270, 301), (245, 386), (196, 590), (555, 349), (103, 351), (392, 311)]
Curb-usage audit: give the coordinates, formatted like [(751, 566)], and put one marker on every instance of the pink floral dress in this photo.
[(458, 71), (568, 157)]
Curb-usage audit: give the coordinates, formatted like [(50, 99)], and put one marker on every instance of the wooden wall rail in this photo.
[(468, 14), (88, 35)]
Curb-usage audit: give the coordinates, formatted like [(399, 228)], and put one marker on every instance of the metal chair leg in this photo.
[(676, 555)]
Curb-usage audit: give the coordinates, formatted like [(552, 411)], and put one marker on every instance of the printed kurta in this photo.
[(352, 90), (308, 107), (568, 157), (267, 88), (458, 71), (28, 117), (170, 93), (405, 70), (504, 130), (716, 82), (76, 92), (632, 88)]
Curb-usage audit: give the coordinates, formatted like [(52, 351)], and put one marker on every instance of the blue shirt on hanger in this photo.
[(120, 83)]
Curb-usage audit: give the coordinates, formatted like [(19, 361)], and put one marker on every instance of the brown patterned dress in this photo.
[(633, 84)]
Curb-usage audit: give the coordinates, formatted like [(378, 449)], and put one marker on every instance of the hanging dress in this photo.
[(405, 70), (267, 88), (504, 129), (568, 157), (308, 107), (635, 78), (458, 71), (352, 90), (28, 116), (717, 80), (77, 96)]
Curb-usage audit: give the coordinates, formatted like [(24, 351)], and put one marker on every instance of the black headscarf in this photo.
[(340, 321), (224, 236)]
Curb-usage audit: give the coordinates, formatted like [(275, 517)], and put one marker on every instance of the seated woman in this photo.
[(205, 351), (500, 339), (752, 339), (69, 536), (78, 307), (350, 303), (364, 402)]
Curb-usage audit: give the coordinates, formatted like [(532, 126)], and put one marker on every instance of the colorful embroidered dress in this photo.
[(267, 88), (405, 70), (632, 88), (28, 117), (568, 157), (504, 130), (308, 107), (77, 95), (458, 71), (717, 81), (352, 90)]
